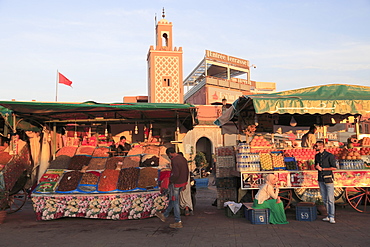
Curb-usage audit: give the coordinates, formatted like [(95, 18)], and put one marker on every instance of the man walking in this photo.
[(325, 164), (178, 181)]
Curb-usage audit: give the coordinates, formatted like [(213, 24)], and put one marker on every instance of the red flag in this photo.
[(64, 80)]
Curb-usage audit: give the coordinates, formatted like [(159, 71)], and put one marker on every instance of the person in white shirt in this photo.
[(268, 197)]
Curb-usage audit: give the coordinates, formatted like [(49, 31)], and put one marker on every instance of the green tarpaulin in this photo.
[(89, 111), (327, 99), (331, 101)]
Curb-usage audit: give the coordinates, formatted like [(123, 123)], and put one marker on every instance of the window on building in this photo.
[(166, 81), (165, 39)]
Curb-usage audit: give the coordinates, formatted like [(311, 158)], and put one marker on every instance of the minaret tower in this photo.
[(165, 67)]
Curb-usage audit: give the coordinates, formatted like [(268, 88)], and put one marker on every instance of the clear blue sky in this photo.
[(102, 45)]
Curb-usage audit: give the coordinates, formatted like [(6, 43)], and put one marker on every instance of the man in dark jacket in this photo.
[(120, 148), (178, 181), (325, 164)]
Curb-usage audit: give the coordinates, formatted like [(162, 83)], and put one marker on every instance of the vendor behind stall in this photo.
[(120, 148), (309, 139), (268, 197)]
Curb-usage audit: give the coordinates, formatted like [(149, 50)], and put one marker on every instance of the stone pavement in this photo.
[(207, 227)]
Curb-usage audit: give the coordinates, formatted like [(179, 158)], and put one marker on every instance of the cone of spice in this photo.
[(113, 161), (78, 161), (128, 178), (148, 177), (108, 180), (69, 181)]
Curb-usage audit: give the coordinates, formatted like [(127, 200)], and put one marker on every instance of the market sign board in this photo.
[(306, 179), (222, 58)]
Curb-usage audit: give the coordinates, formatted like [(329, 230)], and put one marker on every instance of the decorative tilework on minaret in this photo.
[(164, 67)]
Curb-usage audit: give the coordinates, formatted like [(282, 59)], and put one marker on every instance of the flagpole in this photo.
[(56, 86)]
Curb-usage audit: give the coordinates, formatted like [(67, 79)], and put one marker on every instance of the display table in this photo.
[(113, 206), (306, 179)]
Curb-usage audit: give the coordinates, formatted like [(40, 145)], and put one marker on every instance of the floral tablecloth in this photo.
[(117, 206)]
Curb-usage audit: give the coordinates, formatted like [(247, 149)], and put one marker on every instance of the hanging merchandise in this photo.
[(293, 122), (136, 129)]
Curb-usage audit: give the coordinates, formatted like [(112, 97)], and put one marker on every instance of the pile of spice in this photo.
[(91, 178), (78, 161), (131, 161), (128, 178), (60, 162), (108, 180), (113, 161), (85, 150), (153, 161), (148, 177), (69, 181), (97, 164), (69, 151), (101, 152)]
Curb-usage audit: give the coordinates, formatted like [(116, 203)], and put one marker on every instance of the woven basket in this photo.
[(2, 216)]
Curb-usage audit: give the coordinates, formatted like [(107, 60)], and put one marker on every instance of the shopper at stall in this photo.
[(309, 139), (178, 181), (186, 203), (325, 164), (120, 148), (268, 197)]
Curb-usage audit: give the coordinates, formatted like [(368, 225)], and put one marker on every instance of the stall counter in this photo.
[(113, 206)]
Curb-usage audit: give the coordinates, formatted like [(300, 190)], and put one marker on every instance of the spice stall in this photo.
[(269, 151), (84, 180), (15, 163)]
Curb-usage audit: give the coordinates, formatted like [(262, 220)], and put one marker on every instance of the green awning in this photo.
[(327, 99), (91, 111), (312, 105)]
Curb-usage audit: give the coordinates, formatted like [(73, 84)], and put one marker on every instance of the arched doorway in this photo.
[(204, 145)]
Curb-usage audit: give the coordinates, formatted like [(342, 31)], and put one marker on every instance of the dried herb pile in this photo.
[(97, 164), (69, 181), (112, 162), (128, 178), (91, 178), (78, 161), (148, 177), (60, 162)]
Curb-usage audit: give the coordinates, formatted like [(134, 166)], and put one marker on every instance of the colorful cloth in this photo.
[(277, 213)]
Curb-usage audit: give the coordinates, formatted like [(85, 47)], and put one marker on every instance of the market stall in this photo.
[(271, 149), (82, 179)]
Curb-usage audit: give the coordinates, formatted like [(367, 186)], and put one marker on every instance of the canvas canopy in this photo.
[(327, 99), (312, 105), (61, 113)]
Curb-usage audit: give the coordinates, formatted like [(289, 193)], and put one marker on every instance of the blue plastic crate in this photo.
[(291, 159), (257, 216), (201, 182), (306, 213)]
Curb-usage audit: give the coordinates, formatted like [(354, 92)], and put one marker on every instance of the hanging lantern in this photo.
[(136, 129), (293, 123), (255, 120)]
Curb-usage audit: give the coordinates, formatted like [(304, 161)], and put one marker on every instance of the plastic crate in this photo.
[(230, 182), (230, 214), (257, 216), (306, 213), (292, 160), (201, 182)]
